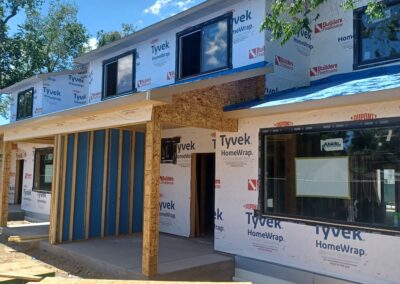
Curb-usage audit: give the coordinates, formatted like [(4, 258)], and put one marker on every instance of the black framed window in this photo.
[(43, 169), (25, 104), (205, 48), (377, 41), (169, 148), (119, 75), (347, 174)]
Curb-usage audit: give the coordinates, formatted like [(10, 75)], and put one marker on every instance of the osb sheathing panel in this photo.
[(151, 197), (225, 94), (193, 115)]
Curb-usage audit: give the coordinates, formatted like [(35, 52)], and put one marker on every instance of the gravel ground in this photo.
[(62, 266)]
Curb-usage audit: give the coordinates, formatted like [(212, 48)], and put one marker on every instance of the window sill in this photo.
[(105, 98), (384, 230), (47, 191)]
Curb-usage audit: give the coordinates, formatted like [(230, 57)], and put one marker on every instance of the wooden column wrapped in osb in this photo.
[(151, 196), (5, 180), (55, 188)]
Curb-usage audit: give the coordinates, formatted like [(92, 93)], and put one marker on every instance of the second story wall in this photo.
[(52, 94), (156, 57)]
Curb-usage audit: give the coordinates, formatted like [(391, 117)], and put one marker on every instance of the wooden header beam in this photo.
[(192, 115)]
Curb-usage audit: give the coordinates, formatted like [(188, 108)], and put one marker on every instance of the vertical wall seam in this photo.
[(73, 187), (119, 181), (131, 180), (89, 185), (105, 174)]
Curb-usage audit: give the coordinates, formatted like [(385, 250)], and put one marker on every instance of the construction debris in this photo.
[(26, 239)]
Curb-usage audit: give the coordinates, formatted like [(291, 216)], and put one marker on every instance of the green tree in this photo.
[(52, 41), (288, 17), (104, 37)]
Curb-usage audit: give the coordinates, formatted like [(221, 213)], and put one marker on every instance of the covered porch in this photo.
[(106, 175)]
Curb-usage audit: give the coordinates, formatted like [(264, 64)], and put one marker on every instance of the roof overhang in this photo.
[(339, 101), (184, 18), (118, 112), (228, 76), (37, 78)]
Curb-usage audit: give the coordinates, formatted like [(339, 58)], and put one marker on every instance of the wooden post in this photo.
[(5, 183), (62, 188), (151, 197), (55, 189)]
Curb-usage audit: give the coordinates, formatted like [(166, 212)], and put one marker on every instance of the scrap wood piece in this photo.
[(53, 280), (19, 276), (29, 238)]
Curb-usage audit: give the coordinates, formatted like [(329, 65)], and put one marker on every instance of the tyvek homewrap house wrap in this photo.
[(305, 185)]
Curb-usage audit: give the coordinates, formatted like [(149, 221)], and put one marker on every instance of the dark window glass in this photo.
[(169, 150), (25, 104), (205, 49), (379, 39), (190, 54), (43, 169), (111, 79), (350, 176), (118, 76)]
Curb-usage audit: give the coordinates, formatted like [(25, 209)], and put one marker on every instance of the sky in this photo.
[(108, 15)]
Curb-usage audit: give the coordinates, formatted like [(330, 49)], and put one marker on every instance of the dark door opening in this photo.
[(203, 195), (19, 180)]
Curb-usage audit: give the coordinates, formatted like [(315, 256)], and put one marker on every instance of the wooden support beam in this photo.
[(73, 188), (89, 185), (151, 197), (63, 180), (119, 181), (55, 189), (131, 180), (192, 115), (105, 178), (5, 183)]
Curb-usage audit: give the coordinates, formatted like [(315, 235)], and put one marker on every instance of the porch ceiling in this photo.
[(118, 112)]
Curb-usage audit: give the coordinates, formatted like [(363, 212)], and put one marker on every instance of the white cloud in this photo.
[(159, 5), (91, 44), (156, 7)]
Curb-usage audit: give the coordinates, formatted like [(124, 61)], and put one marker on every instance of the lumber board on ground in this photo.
[(26, 270), (52, 280)]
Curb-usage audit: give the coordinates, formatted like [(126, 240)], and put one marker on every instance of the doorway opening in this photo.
[(202, 196), (19, 181)]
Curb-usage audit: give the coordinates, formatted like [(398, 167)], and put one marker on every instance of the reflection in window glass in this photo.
[(25, 102), (214, 45), (380, 38), (350, 176), (124, 83), (43, 169)]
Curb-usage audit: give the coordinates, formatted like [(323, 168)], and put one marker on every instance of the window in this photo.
[(377, 41), (25, 104), (169, 150), (341, 173), (205, 48), (43, 172), (118, 75)]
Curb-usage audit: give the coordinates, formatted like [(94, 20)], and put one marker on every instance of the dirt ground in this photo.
[(63, 267)]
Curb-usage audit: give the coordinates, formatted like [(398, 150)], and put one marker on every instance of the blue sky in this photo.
[(109, 15)]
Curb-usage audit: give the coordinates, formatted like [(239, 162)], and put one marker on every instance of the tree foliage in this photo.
[(288, 17), (104, 37), (43, 43)]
